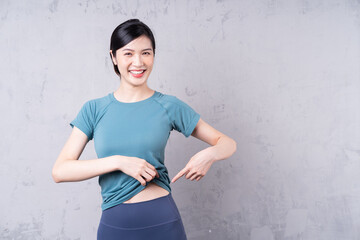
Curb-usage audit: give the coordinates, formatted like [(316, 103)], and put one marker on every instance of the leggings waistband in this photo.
[(141, 215)]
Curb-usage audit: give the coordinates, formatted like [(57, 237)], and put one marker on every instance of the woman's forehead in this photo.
[(140, 43)]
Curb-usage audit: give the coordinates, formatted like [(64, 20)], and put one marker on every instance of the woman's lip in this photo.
[(137, 75)]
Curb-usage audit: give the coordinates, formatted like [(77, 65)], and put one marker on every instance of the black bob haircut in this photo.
[(125, 33)]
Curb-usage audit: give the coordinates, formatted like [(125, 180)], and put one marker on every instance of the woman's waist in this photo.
[(150, 192)]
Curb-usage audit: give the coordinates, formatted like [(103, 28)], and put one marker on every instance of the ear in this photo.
[(112, 58)]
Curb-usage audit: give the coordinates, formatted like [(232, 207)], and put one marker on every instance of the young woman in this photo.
[(130, 128)]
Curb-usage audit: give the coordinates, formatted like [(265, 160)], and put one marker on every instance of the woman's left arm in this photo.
[(222, 147)]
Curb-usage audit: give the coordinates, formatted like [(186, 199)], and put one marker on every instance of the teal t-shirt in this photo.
[(138, 129)]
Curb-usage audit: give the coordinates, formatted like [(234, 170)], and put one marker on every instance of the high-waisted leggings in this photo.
[(156, 219)]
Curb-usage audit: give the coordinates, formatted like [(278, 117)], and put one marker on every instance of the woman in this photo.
[(130, 128)]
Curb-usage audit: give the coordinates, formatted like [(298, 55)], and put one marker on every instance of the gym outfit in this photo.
[(156, 219), (138, 129)]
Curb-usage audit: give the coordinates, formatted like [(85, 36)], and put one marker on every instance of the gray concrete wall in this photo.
[(280, 77)]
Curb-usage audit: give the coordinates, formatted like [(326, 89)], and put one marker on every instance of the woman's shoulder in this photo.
[(99, 101), (167, 98), (95, 105), (173, 103)]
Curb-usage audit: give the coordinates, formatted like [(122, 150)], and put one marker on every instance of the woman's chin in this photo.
[(138, 82)]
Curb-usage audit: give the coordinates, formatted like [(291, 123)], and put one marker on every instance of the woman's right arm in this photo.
[(68, 168)]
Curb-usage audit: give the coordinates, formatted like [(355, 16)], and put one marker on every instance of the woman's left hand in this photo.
[(197, 167)]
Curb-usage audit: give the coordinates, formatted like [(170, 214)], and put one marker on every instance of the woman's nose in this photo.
[(138, 60)]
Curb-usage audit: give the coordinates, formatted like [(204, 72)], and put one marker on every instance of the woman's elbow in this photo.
[(234, 146), (55, 175)]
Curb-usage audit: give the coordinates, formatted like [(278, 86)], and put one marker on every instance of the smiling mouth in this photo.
[(137, 72)]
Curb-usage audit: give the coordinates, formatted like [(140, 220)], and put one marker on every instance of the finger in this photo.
[(151, 172), (157, 173), (141, 180), (148, 165), (179, 175), (198, 178), (153, 168), (193, 177), (147, 176), (190, 174)]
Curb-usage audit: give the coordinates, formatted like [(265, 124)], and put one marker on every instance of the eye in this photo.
[(147, 53), (127, 53)]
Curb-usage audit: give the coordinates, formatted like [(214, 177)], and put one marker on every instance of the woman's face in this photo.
[(135, 60)]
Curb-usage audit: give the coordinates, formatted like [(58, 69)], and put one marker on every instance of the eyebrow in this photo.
[(128, 49)]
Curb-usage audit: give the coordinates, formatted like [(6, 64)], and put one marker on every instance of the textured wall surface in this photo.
[(280, 77)]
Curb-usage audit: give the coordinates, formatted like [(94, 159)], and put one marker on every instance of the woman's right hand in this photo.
[(137, 168)]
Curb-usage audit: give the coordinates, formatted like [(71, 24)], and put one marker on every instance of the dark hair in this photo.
[(125, 33)]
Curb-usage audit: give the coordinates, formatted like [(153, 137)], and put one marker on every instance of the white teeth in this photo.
[(137, 72)]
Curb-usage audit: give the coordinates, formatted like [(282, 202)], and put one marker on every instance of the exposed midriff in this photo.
[(151, 191)]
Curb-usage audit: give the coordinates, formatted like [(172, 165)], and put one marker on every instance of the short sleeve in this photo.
[(184, 118), (84, 120)]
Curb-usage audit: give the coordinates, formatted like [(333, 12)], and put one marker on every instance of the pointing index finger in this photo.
[(179, 175)]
